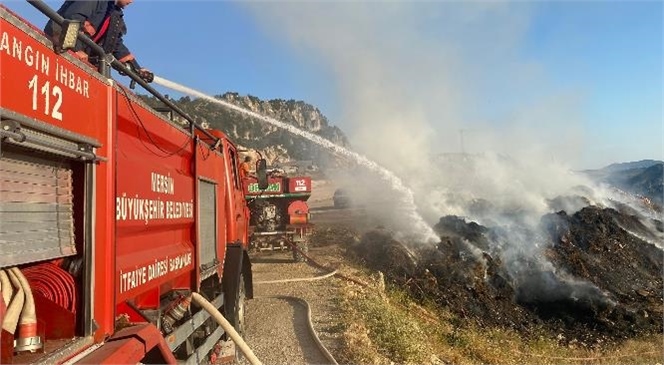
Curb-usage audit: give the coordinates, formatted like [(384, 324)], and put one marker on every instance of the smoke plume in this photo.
[(472, 125), (412, 97)]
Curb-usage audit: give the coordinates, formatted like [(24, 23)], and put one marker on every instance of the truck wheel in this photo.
[(300, 246)]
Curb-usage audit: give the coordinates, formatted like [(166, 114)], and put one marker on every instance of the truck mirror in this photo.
[(261, 173)]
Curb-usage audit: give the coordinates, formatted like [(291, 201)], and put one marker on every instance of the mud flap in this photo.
[(236, 263)]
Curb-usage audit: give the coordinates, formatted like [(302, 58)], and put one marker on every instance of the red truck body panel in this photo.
[(155, 196), (148, 229), (39, 84)]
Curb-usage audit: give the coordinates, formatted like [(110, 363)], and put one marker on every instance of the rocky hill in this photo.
[(276, 145), (645, 178)]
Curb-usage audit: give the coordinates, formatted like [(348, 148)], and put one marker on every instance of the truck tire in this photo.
[(302, 246)]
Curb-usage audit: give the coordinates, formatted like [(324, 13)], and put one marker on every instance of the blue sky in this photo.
[(585, 74)]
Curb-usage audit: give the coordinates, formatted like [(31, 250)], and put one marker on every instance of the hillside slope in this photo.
[(277, 145), (645, 178)]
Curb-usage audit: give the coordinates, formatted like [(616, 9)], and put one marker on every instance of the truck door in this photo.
[(240, 210)]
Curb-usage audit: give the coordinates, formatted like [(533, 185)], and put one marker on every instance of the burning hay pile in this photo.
[(594, 276)]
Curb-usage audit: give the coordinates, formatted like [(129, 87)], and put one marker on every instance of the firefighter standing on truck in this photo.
[(245, 168), (103, 22)]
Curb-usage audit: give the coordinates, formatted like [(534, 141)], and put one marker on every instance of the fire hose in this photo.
[(310, 325), (20, 318), (54, 283), (331, 273), (219, 318), (14, 307)]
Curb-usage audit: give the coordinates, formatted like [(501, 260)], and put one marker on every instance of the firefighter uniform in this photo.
[(103, 21)]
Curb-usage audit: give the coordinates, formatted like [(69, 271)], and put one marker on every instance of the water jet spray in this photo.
[(421, 229)]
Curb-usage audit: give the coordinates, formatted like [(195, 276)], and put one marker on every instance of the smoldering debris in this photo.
[(592, 280)]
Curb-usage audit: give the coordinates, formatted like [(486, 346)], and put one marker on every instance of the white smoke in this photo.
[(410, 90), (473, 126)]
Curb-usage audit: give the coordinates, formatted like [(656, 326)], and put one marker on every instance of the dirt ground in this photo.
[(321, 194), (327, 219), (276, 321), (276, 326)]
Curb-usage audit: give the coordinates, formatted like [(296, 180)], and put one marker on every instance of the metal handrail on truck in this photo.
[(107, 60)]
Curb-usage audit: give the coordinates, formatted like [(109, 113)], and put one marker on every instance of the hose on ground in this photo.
[(311, 261), (297, 279), (310, 325), (219, 318)]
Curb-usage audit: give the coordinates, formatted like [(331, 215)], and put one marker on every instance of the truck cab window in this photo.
[(233, 161)]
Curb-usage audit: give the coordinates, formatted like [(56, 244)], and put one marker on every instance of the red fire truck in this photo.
[(279, 213), (114, 220)]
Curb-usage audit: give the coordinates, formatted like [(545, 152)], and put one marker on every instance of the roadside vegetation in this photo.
[(384, 326)]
